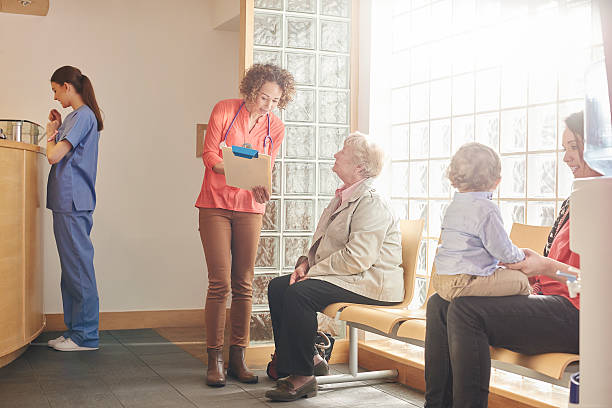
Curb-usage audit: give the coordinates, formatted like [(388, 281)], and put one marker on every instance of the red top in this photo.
[(215, 193), (560, 251)]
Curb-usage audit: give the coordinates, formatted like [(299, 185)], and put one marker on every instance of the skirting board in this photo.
[(149, 319)]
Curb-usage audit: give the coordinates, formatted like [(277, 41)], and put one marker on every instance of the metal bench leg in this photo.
[(354, 374)]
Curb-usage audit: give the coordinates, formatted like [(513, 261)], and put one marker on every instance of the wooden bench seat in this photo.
[(411, 231), (551, 367), (382, 319), (399, 323)]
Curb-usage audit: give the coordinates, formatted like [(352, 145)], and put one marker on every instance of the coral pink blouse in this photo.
[(215, 193), (560, 250)]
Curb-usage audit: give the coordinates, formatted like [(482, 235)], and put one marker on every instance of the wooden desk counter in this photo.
[(21, 216)]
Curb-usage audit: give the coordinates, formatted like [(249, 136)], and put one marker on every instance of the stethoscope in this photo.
[(248, 145)]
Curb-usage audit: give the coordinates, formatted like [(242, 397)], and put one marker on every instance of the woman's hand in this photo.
[(55, 115), (299, 274), (533, 264), (52, 127), (261, 194)]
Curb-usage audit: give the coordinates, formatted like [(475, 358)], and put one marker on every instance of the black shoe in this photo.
[(285, 391)]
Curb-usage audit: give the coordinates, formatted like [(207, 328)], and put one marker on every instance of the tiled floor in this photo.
[(140, 368)]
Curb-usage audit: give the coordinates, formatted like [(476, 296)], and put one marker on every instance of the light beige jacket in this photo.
[(358, 246)]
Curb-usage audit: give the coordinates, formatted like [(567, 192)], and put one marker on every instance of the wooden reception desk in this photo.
[(21, 216)]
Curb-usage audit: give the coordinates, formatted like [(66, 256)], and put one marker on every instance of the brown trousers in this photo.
[(230, 240), (503, 282)]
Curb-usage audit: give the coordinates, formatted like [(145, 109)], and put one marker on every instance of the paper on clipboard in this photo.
[(247, 173)]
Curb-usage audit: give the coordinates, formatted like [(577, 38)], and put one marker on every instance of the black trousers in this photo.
[(294, 319), (458, 335)]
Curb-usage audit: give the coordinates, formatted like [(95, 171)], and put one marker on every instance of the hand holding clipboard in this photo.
[(249, 170)]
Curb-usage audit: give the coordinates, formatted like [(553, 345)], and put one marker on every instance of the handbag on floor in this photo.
[(324, 344)]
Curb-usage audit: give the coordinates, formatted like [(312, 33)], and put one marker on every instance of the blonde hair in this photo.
[(475, 167), (368, 155)]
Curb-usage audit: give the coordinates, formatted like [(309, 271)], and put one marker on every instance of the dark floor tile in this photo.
[(139, 368), (116, 354), (343, 368), (24, 400), (59, 364), (402, 392), (146, 342), (120, 375), (134, 334), (20, 364), (258, 390), (90, 384), (390, 404), (253, 403), (16, 386), (114, 364), (62, 369), (259, 393), (315, 402), (106, 335), (172, 360), (150, 383), (19, 368), (145, 347), (198, 392), (68, 399), (151, 395), (354, 395)]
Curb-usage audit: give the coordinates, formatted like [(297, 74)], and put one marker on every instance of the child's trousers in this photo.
[(503, 282)]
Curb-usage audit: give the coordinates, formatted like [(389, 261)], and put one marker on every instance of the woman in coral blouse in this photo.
[(459, 333), (230, 218)]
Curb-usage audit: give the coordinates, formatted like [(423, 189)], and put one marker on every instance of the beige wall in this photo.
[(157, 68)]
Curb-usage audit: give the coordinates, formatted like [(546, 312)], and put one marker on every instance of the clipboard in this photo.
[(247, 171)]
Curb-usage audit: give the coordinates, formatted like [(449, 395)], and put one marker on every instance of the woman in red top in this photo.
[(458, 334), (231, 218)]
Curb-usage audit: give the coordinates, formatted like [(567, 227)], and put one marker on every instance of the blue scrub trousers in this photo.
[(78, 285)]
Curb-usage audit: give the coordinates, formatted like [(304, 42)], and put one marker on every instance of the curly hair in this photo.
[(475, 167), (259, 74)]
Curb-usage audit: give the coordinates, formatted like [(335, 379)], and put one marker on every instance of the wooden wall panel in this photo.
[(11, 249), (34, 314)]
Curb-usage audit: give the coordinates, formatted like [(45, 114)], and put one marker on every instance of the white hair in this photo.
[(368, 155)]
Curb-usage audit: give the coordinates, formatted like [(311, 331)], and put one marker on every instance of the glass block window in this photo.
[(502, 73), (311, 39)]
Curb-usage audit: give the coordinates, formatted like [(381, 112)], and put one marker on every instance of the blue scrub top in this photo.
[(71, 184)]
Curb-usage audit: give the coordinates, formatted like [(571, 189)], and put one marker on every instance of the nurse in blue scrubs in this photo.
[(72, 150)]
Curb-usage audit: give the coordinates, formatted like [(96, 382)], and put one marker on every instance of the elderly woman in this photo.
[(231, 218), (355, 257), (458, 334)]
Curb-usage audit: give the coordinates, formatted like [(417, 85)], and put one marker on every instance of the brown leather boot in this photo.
[(237, 368), (215, 376)]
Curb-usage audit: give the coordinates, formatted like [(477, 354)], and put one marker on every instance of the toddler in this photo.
[(473, 241)]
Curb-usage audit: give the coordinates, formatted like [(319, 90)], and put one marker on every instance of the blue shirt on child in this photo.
[(473, 239), (71, 184)]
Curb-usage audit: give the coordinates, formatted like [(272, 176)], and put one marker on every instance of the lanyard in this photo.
[(245, 144)]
